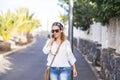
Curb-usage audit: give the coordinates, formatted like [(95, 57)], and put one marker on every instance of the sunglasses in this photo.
[(56, 30)]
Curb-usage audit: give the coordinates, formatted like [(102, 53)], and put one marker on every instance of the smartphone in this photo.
[(52, 35)]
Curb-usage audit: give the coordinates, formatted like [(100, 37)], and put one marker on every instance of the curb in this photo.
[(20, 48)]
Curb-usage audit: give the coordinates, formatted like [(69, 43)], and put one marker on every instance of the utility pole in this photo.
[(70, 31)]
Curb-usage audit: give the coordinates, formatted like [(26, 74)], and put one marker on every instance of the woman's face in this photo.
[(56, 31)]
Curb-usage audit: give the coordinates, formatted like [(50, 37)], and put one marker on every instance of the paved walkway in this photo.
[(30, 63), (85, 71)]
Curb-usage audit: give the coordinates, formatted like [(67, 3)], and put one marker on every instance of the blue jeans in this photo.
[(60, 73)]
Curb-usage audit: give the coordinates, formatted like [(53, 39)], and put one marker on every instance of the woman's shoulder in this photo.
[(67, 41), (48, 40)]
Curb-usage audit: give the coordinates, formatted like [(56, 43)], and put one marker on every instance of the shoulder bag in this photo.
[(47, 71)]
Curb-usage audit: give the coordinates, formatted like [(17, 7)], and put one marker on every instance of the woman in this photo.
[(61, 66)]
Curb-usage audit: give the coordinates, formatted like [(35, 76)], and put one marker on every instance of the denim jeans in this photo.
[(61, 73)]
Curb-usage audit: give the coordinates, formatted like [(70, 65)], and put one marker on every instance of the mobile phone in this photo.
[(52, 35)]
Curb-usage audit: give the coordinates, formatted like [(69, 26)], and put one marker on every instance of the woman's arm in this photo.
[(74, 70), (71, 59), (46, 48)]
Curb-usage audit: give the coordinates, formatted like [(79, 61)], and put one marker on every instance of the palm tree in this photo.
[(19, 25), (6, 28), (26, 23)]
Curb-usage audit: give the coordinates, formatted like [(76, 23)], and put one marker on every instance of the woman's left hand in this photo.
[(74, 73)]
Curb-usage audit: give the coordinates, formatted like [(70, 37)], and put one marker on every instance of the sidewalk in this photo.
[(85, 70), (34, 71)]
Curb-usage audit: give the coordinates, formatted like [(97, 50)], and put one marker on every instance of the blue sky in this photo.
[(45, 10)]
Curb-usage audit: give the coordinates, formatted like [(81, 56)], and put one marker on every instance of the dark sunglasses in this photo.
[(56, 30)]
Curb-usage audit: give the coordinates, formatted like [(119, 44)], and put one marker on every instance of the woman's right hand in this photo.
[(52, 39)]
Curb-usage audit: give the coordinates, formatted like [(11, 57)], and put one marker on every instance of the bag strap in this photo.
[(55, 55)]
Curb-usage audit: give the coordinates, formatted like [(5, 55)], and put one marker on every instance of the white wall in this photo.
[(104, 36), (96, 32), (80, 34), (108, 36), (118, 36), (112, 33)]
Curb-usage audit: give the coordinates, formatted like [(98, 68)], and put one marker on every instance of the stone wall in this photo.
[(110, 64), (106, 59), (90, 49)]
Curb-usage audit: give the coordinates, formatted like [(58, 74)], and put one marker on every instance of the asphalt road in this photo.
[(27, 64), (30, 63)]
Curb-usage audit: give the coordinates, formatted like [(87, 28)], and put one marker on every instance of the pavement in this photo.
[(4, 59), (29, 63)]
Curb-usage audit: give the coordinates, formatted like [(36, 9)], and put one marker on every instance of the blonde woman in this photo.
[(64, 60)]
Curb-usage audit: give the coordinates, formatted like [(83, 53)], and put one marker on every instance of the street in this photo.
[(30, 63)]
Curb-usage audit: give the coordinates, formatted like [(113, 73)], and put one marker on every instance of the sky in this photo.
[(45, 10)]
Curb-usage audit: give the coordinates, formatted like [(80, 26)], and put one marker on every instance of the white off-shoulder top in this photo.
[(64, 57)]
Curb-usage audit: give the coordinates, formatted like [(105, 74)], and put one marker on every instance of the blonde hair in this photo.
[(63, 37)]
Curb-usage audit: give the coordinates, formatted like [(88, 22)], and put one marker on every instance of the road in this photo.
[(30, 63)]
